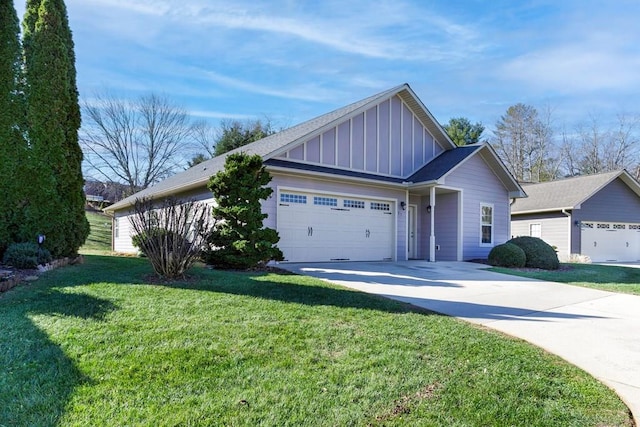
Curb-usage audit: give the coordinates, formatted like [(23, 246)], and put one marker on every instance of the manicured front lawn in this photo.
[(102, 344), (606, 277)]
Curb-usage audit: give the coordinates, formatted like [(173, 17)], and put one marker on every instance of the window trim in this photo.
[(539, 224), (492, 224)]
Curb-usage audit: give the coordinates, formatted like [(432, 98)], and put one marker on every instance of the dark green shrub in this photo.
[(507, 255), (539, 253), (239, 240), (26, 255)]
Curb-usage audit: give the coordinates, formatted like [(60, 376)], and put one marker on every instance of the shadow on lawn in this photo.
[(37, 376), (279, 288)]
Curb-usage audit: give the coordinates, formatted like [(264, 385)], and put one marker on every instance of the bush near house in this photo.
[(238, 239), (26, 255), (539, 253), (507, 255)]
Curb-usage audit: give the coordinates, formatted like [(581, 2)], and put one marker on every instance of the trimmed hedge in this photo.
[(507, 255), (539, 253)]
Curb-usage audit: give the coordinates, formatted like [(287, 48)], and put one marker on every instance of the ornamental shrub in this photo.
[(26, 255), (169, 233), (238, 239), (539, 253), (507, 255)]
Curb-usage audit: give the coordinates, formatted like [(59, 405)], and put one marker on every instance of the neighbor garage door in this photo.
[(608, 241), (324, 227)]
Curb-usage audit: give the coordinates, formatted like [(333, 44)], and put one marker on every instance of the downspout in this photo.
[(569, 229)]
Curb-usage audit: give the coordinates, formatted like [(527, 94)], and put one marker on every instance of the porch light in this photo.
[(403, 205), (429, 209)]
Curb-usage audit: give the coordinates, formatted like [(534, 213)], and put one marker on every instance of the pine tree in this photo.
[(11, 122), (239, 239), (55, 203)]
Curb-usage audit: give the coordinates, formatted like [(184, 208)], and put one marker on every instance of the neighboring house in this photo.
[(378, 179), (594, 215)]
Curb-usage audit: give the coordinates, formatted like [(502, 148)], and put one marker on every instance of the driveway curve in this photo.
[(595, 330)]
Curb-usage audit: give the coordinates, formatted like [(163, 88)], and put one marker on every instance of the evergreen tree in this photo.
[(463, 132), (54, 205), (239, 239), (11, 121)]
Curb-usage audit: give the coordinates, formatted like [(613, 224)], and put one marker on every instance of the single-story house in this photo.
[(378, 179), (593, 215)]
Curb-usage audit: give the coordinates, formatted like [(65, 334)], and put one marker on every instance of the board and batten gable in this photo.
[(386, 139), (479, 185)]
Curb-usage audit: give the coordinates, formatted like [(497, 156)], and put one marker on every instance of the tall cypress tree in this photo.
[(11, 122), (55, 206)]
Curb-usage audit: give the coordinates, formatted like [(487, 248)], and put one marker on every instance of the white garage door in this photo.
[(608, 241), (323, 227)]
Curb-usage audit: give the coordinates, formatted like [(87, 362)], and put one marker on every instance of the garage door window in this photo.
[(376, 206), (325, 201), (293, 198), (353, 204), (486, 220)]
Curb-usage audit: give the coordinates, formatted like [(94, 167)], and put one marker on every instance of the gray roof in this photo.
[(443, 164), (280, 142), (568, 193)]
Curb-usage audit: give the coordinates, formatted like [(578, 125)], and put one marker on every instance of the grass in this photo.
[(106, 344), (606, 277), (99, 240)]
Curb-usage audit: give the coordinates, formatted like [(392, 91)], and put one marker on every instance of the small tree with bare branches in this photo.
[(170, 233)]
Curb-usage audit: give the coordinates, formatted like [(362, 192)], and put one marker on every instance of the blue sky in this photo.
[(293, 60)]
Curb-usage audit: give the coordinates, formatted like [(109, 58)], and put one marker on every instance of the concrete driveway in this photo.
[(596, 330)]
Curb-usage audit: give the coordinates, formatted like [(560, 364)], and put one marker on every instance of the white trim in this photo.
[(492, 243), (412, 248), (460, 250)]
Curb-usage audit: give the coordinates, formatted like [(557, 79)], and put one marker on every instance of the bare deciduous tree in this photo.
[(595, 149), (524, 142), (137, 143)]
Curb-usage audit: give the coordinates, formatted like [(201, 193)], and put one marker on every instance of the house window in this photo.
[(486, 224), (116, 227), (535, 230)]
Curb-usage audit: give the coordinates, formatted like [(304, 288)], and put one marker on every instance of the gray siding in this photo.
[(616, 202), (388, 139), (554, 228), (446, 214), (480, 185)]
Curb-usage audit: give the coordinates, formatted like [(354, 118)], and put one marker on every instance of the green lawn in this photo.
[(99, 240), (105, 344), (605, 277)]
